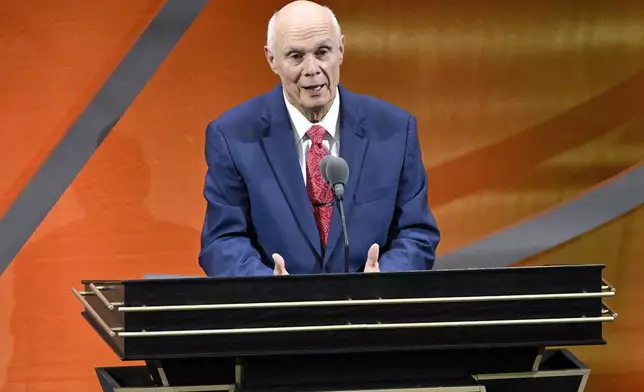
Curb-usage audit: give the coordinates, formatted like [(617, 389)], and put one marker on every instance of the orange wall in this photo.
[(55, 56), (520, 107)]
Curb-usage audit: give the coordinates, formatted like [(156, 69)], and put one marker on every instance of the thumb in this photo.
[(372, 259), (280, 267)]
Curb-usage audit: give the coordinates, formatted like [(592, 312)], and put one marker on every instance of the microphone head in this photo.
[(337, 173), (323, 164)]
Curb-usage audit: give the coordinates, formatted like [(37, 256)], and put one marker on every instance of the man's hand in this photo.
[(372, 264), (280, 268)]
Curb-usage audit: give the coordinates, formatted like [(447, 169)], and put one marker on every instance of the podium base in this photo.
[(556, 370)]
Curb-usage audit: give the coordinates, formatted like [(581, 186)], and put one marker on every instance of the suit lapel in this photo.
[(279, 146), (353, 145)]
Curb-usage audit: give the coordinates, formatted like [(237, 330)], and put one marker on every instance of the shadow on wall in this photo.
[(117, 239)]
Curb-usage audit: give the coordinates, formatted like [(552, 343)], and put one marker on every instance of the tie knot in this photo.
[(316, 133)]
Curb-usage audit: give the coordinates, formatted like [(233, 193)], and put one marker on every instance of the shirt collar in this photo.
[(301, 124)]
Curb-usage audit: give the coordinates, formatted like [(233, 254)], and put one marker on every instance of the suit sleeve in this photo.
[(414, 235), (226, 240)]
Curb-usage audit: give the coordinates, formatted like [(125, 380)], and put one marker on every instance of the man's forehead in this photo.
[(307, 37)]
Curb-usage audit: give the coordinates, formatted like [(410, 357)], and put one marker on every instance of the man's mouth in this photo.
[(314, 87)]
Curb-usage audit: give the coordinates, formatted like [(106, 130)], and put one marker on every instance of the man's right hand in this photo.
[(280, 268)]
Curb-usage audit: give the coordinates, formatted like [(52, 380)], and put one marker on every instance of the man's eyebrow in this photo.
[(323, 44), (290, 49)]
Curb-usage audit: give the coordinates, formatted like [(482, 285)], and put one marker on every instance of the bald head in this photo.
[(305, 48), (303, 12)]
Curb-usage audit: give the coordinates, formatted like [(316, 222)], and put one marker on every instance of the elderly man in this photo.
[(269, 212)]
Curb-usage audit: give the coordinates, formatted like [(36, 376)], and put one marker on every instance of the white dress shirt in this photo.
[(301, 124)]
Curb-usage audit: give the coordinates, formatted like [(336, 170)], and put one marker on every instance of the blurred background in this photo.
[(523, 108)]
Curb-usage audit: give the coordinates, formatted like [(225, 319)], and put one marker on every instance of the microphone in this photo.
[(335, 172)]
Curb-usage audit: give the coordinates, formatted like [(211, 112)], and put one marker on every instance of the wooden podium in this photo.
[(494, 330)]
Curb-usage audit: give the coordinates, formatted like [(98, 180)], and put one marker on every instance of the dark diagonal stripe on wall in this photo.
[(611, 200), (91, 127)]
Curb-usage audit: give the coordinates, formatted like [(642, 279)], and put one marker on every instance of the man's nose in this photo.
[(311, 66)]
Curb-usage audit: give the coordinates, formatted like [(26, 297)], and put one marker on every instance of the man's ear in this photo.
[(270, 58), (341, 49)]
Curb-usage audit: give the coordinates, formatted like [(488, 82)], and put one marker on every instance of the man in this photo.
[(269, 211)]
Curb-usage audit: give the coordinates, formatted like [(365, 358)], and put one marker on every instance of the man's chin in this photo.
[(316, 102), (315, 106)]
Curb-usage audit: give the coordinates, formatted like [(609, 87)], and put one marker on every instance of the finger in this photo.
[(372, 268), (280, 267), (372, 255), (372, 264)]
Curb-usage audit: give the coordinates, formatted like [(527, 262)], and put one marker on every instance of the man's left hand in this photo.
[(372, 264)]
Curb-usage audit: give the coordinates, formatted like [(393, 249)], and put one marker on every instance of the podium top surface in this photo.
[(169, 279)]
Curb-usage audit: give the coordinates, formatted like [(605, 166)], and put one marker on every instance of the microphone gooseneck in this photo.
[(335, 172)]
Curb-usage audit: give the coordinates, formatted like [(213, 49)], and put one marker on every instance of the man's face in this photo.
[(307, 58)]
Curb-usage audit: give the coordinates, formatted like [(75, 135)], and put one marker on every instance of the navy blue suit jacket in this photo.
[(257, 202)]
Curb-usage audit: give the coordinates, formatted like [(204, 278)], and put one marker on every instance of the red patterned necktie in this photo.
[(320, 193)]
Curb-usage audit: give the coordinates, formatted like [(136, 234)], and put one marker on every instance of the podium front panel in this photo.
[(330, 313)]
